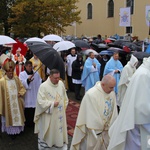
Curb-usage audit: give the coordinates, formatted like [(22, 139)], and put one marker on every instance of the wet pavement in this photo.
[(27, 140)]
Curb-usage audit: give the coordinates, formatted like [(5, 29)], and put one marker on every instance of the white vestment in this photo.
[(31, 88), (134, 111), (97, 113), (126, 75), (50, 121)]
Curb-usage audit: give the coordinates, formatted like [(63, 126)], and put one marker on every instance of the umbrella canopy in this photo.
[(115, 49), (129, 44), (111, 39), (106, 52), (141, 55), (102, 46), (63, 46), (86, 52), (107, 41), (81, 44), (48, 56), (34, 39), (20, 45), (52, 37), (6, 40)]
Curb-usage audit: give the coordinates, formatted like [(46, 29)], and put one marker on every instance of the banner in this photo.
[(147, 15), (125, 17)]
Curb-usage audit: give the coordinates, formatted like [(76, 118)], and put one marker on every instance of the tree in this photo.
[(5, 12), (32, 17)]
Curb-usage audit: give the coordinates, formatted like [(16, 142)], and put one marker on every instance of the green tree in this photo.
[(32, 17), (5, 12)]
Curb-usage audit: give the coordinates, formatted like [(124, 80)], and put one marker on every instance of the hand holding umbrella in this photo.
[(30, 79)]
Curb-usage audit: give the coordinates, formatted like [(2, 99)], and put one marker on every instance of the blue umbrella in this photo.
[(148, 49), (105, 52)]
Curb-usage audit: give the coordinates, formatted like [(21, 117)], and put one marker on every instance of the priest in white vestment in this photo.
[(131, 129), (50, 114), (125, 78), (97, 112), (11, 100)]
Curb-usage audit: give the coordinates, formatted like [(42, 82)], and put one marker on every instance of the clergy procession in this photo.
[(110, 84)]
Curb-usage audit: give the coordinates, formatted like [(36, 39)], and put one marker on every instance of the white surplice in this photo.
[(31, 88)]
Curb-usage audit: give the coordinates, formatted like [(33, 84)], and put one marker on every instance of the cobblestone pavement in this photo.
[(27, 140)]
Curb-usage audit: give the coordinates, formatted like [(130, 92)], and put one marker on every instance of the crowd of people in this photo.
[(114, 109)]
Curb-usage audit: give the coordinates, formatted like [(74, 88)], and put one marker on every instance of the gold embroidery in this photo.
[(14, 105), (12, 87), (16, 119), (15, 111), (13, 97)]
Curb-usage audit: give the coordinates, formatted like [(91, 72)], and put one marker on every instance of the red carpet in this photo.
[(72, 113)]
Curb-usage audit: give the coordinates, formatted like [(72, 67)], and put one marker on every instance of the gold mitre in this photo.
[(8, 64), (3, 57)]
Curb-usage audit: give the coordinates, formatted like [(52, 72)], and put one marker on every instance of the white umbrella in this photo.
[(86, 52), (35, 39), (63, 45), (6, 40), (52, 37)]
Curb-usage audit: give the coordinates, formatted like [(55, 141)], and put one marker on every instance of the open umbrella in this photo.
[(106, 52), (20, 45), (48, 56), (131, 45), (115, 49), (34, 39), (141, 55), (63, 45), (86, 52), (107, 41), (52, 37), (81, 44), (6, 40)]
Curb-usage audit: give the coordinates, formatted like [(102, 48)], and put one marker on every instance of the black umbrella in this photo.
[(48, 56), (131, 45), (115, 49), (141, 55), (82, 44)]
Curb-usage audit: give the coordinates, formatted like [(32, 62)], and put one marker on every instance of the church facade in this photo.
[(103, 17)]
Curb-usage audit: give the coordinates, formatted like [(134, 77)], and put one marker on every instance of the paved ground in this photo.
[(26, 140)]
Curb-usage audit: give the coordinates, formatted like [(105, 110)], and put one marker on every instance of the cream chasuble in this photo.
[(97, 112), (50, 121)]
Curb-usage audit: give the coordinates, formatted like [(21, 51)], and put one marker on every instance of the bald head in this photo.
[(108, 83)]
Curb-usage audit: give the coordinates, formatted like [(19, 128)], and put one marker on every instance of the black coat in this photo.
[(76, 71)]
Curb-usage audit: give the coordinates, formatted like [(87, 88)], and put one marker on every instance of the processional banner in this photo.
[(125, 17)]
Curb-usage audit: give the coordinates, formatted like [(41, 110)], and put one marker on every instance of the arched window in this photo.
[(89, 11), (130, 3), (110, 8)]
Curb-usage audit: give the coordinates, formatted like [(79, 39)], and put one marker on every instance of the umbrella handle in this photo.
[(38, 69)]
